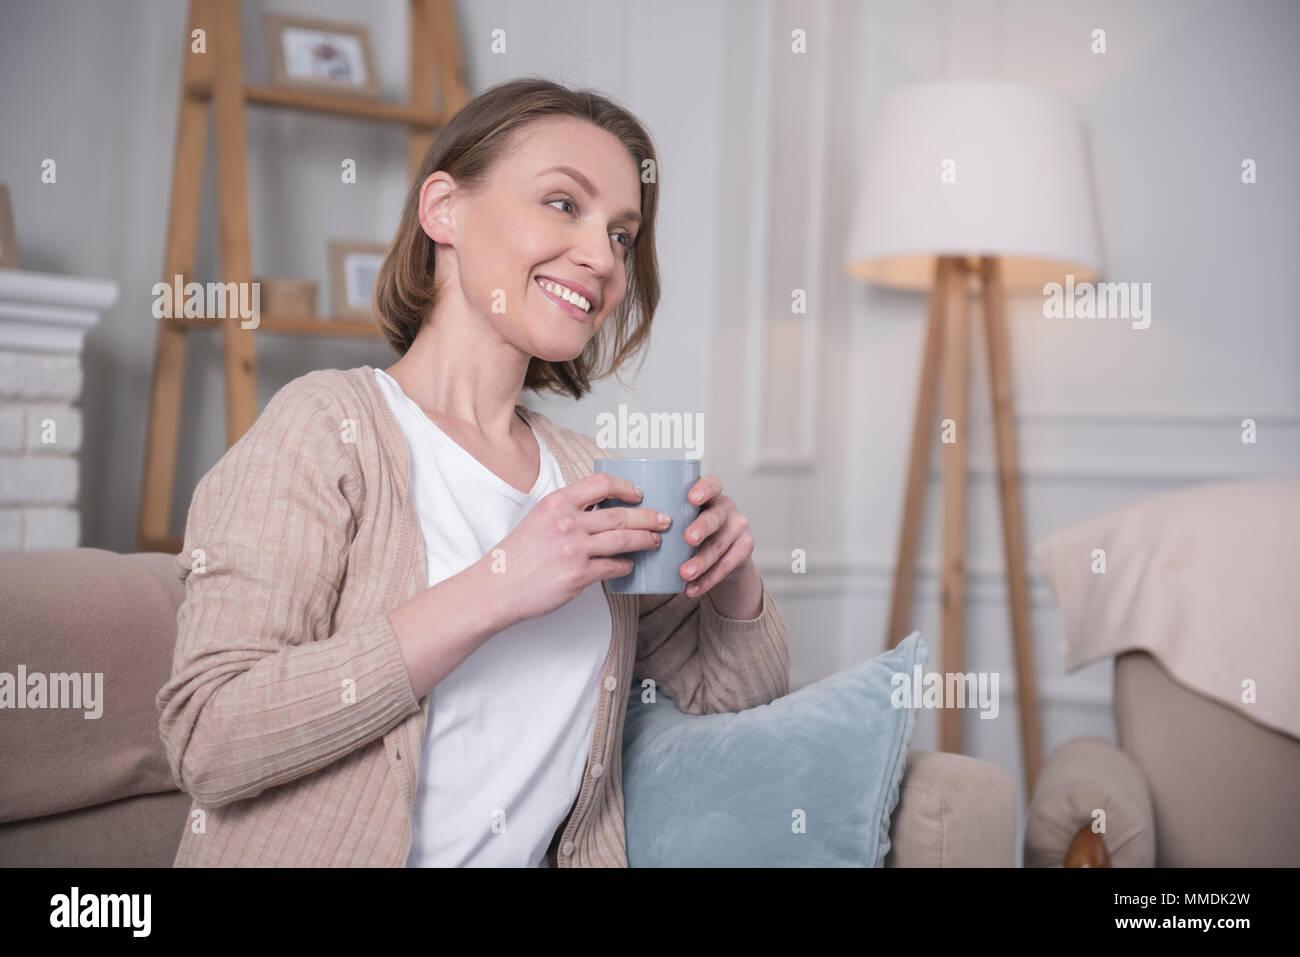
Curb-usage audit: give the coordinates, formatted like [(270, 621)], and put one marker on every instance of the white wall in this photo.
[(760, 152), (1104, 414)]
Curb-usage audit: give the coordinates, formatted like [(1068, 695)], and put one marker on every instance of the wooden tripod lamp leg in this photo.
[(956, 430), (1013, 534), (900, 609)]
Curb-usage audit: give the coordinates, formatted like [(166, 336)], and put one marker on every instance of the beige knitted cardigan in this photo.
[(289, 716)]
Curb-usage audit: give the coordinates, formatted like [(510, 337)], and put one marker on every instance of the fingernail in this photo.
[(664, 519), (639, 493)]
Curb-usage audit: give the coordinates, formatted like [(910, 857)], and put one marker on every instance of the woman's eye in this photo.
[(630, 242)]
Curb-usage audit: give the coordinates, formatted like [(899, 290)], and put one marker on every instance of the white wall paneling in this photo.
[(790, 123)]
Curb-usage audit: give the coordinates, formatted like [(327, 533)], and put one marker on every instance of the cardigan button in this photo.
[(567, 848), (597, 770), (610, 682)]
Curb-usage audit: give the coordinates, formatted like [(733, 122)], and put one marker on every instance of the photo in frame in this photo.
[(354, 264), (320, 55)]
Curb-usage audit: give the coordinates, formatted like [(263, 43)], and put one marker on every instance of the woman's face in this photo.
[(533, 221)]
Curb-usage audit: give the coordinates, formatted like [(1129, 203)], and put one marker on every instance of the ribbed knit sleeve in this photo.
[(261, 691), (708, 663)]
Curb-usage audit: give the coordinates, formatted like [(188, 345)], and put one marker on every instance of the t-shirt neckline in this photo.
[(468, 459)]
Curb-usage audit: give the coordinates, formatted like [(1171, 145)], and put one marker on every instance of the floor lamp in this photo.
[(980, 186)]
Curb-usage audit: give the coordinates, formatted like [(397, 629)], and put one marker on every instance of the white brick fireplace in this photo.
[(43, 323)]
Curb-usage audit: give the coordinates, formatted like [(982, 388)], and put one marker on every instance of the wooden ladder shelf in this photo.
[(213, 80)]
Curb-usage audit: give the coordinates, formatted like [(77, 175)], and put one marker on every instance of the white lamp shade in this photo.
[(1022, 191)]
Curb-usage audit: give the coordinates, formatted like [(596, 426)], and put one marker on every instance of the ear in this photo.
[(437, 208)]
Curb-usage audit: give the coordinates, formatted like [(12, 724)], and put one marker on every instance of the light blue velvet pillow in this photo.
[(809, 780)]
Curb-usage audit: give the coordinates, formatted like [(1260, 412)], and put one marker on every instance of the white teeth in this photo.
[(567, 294)]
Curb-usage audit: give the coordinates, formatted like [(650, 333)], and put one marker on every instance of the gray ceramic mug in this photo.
[(666, 484)]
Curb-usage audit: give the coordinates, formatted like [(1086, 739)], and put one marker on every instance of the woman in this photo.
[(396, 645)]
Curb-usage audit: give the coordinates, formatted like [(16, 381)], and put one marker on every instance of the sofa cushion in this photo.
[(1202, 578), (810, 779), (140, 831), (83, 612)]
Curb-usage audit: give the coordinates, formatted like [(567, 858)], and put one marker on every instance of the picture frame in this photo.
[(320, 55), (8, 238), (354, 264)]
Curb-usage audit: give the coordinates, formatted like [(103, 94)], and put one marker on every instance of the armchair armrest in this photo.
[(108, 619), (1081, 777), (953, 811)]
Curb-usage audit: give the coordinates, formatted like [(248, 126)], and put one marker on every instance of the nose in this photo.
[(595, 248)]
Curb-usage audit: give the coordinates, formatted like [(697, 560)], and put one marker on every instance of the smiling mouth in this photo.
[(572, 309)]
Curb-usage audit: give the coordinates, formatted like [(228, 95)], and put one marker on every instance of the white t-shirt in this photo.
[(510, 728)]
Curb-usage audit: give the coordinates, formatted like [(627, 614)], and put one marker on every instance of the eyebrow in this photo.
[(590, 187)]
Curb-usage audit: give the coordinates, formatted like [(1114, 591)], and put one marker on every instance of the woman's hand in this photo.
[(723, 560), (564, 544)]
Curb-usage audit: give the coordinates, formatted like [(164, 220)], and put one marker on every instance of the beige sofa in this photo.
[(81, 791)]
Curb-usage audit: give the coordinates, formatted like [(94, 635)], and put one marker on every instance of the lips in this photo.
[(579, 288), (568, 307)]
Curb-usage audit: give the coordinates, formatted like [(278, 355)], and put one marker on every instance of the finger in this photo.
[(620, 541), (603, 568), (706, 489), (618, 516), (734, 557), (712, 518), (714, 547), (593, 489)]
